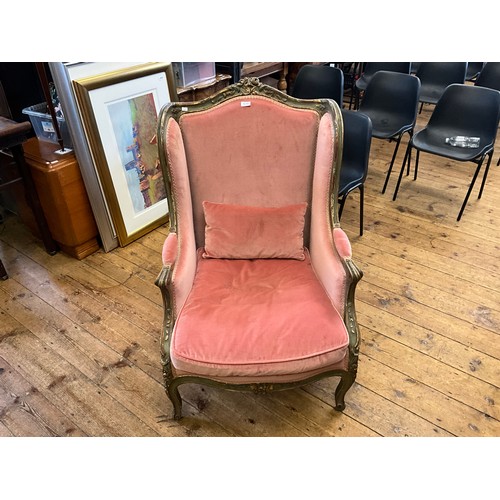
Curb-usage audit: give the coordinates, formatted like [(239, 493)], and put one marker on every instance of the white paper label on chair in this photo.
[(245, 104)]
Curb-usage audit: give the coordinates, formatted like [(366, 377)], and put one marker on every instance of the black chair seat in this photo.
[(387, 127), (372, 67), (435, 142), (431, 93), (350, 178)]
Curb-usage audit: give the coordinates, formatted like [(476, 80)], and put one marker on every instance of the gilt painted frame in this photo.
[(119, 112)]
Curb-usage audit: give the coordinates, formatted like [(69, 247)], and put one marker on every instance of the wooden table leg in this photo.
[(282, 84), (33, 200)]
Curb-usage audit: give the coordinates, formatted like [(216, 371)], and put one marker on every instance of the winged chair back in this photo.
[(249, 150), (249, 146)]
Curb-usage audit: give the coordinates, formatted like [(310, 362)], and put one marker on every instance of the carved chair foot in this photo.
[(345, 383), (175, 398)]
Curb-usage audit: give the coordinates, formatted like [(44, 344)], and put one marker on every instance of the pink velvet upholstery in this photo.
[(242, 232), (185, 265), (270, 146), (342, 243), (324, 255), (254, 318)]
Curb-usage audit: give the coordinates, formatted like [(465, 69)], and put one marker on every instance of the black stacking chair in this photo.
[(315, 82), (463, 110), (355, 156), (489, 76), (371, 68), (391, 103), (436, 76)]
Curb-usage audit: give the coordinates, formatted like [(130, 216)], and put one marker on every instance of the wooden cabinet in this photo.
[(63, 198)]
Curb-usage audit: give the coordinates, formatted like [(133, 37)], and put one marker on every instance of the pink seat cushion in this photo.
[(254, 318)]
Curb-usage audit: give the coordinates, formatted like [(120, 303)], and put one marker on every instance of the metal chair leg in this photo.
[(392, 163), (470, 189), (341, 205), (408, 148), (409, 156), (490, 156), (361, 207), (416, 165)]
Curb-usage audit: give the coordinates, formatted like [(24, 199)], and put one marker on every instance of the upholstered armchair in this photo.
[(257, 279)]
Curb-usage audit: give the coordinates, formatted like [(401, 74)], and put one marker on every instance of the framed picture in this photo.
[(119, 112)]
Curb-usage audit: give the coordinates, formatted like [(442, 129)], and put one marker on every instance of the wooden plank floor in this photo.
[(79, 340)]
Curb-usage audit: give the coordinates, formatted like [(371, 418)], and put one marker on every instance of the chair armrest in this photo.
[(342, 243), (331, 258), (169, 252), (177, 275), (352, 273), (175, 282)]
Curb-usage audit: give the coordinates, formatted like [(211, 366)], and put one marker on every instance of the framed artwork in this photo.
[(119, 112)]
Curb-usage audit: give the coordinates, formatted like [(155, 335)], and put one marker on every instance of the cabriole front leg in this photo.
[(171, 388), (169, 380), (346, 381)]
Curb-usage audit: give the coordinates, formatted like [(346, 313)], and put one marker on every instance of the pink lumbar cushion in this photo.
[(243, 232)]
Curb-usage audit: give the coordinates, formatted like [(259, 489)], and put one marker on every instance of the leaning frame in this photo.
[(252, 86)]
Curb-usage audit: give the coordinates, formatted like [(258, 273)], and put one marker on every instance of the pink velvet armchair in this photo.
[(257, 280)]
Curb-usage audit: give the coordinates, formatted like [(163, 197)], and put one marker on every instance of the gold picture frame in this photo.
[(119, 112)]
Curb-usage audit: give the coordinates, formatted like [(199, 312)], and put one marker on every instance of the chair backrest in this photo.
[(394, 94), (467, 110), (357, 143), (399, 67), (489, 76), (316, 82), (250, 144), (441, 74)]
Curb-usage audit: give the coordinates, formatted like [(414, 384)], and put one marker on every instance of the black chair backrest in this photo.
[(442, 74), (319, 82), (394, 93), (467, 110), (357, 142), (398, 67), (489, 76)]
